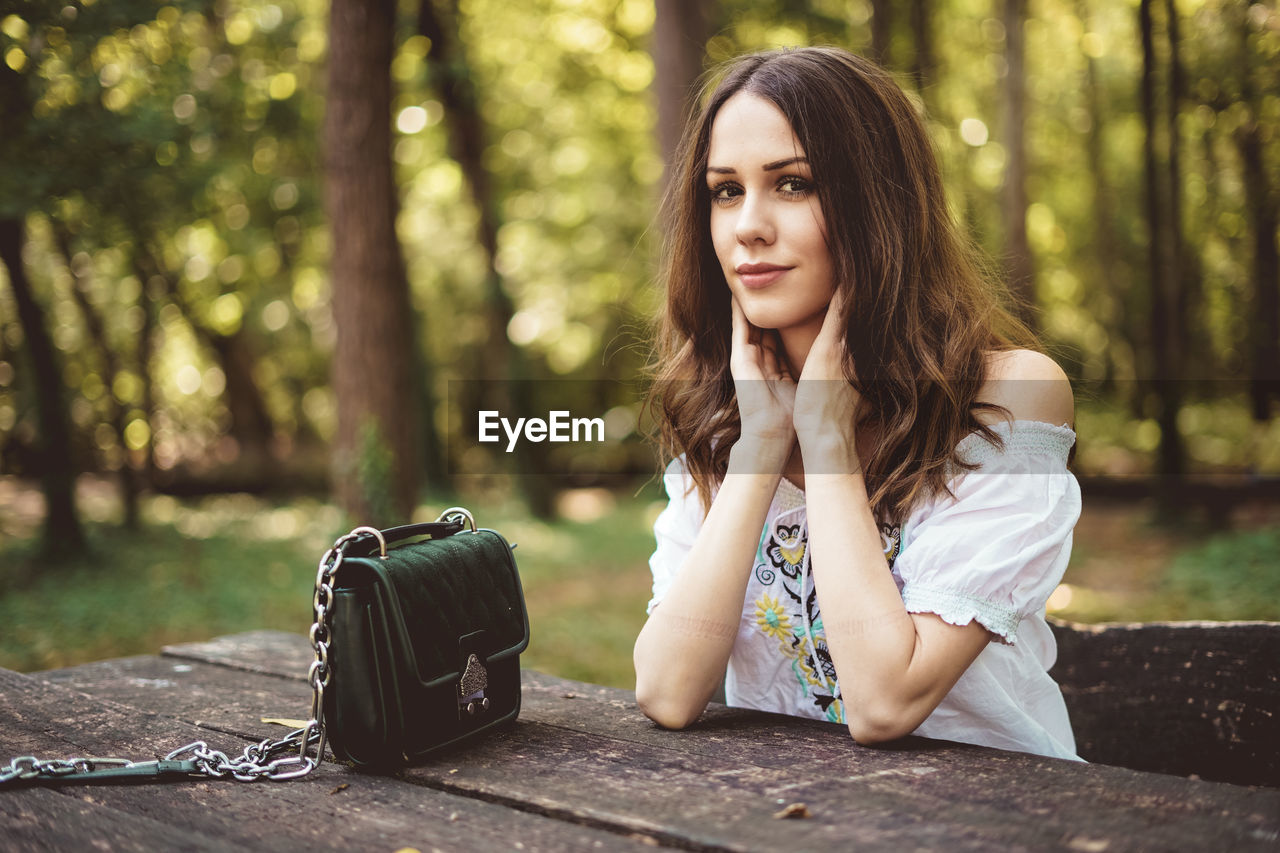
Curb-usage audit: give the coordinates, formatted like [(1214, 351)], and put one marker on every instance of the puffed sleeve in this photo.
[(675, 529), (995, 550)]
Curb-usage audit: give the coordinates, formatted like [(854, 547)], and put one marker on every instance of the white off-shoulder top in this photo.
[(992, 551)]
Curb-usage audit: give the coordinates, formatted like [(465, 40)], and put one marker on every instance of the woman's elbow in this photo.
[(666, 710), (876, 725)]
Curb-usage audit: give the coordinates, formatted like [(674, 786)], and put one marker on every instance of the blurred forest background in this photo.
[(249, 249)]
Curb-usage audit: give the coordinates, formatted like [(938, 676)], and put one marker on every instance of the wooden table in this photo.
[(581, 770)]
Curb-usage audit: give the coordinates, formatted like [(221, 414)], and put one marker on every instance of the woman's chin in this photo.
[(768, 319), (761, 319)]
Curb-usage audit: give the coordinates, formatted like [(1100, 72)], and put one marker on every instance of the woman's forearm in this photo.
[(681, 653), (893, 667), (862, 611)]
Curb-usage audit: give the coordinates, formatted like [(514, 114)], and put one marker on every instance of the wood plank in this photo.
[(859, 798), (270, 652), (40, 819), (1174, 720), (334, 809), (210, 696), (585, 754), (234, 698), (1210, 688)]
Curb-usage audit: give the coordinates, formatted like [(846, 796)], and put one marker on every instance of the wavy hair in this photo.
[(927, 311)]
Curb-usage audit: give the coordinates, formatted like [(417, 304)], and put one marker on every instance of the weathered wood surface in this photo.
[(334, 809), (584, 755), (1184, 698)]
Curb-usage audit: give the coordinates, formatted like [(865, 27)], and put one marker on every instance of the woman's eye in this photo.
[(725, 192), (794, 186)]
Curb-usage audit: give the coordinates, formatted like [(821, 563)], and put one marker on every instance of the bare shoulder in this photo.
[(1030, 385)]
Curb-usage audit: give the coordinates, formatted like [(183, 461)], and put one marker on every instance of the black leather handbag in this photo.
[(417, 635), (425, 639)]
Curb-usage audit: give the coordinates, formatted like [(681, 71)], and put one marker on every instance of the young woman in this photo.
[(869, 494)]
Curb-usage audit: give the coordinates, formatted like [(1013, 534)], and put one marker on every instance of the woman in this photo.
[(869, 498)]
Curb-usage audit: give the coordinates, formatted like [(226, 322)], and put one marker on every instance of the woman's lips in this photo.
[(755, 276)]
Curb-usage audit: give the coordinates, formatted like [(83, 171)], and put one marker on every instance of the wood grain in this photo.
[(584, 754), (1185, 698), (333, 809)]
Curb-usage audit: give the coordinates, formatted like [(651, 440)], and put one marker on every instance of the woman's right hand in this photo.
[(765, 389)]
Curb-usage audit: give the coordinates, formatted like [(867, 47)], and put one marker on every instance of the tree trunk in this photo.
[(146, 348), (154, 286), (1265, 326), (250, 423), (1184, 273), (925, 64), (882, 31), (468, 138), (468, 134), (1264, 329), (1161, 261), (1106, 250), (1264, 222), (63, 535), (1019, 267), (680, 32), (110, 369), (375, 465)]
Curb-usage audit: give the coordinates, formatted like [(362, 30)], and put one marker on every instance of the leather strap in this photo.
[(366, 543)]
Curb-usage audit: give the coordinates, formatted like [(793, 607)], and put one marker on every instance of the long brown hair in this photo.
[(920, 313)]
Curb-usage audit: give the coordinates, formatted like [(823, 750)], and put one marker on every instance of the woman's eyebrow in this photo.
[(767, 167), (782, 164)]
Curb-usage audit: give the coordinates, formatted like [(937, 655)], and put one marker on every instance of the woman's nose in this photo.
[(755, 222)]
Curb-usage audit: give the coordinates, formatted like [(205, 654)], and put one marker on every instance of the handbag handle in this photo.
[(369, 540)]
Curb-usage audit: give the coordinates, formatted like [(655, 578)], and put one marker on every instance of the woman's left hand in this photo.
[(826, 404)]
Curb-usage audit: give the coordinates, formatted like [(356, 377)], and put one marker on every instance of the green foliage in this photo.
[(175, 147), (1230, 576)]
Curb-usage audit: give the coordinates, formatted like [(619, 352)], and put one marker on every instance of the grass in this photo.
[(1127, 568), (220, 565), (1231, 576), (190, 572), (235, 563)]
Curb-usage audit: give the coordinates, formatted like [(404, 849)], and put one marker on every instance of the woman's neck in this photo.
[(796, 343)]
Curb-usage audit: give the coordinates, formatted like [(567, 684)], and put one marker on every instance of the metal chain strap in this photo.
[(264, 760)]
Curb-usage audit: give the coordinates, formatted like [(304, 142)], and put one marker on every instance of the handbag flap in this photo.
[(439, 591)]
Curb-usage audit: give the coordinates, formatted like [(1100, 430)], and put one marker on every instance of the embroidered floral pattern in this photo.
[(781, 615), (787, 550), (773, 619), (891, 538)]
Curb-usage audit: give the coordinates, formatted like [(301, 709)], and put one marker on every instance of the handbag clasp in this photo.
[(471, 687)]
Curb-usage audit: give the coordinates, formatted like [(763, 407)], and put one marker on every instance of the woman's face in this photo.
[(766, 224)]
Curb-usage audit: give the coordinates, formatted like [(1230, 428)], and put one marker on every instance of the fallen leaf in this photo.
[(795, 810), (282, 721)]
